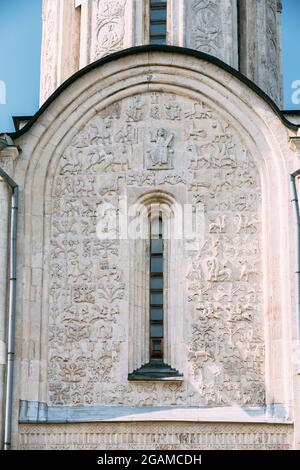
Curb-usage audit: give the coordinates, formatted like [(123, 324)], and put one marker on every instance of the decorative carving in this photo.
[(155, 106), (160, 155), (271, 62), (206, 26), (119, 152), (246, 223), (173, 109), (218, 270), (219, 225), (135, 109), (129, 135), (110, 26), (156, 436), (198, 111)]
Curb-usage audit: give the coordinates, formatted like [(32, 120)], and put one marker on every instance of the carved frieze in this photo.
[(156, 436)]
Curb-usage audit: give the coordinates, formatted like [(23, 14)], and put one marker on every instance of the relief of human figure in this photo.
[(173, 109), (161, 152), (135, 110), (218, 270)]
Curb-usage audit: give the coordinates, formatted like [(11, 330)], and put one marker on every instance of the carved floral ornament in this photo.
[(206, 30), (149, 143), (110, 26)]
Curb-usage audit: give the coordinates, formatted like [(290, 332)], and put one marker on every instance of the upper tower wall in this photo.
[(243, 33)]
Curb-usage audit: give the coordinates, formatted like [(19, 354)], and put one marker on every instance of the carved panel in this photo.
[(180, 146), (272, 66), (156, 436), (210, 27), (206, 32), (109, 27)]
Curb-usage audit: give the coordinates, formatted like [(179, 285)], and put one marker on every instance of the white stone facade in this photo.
[(98, 301), (182, 131), (231, 317), (156, 436), (245, 34)]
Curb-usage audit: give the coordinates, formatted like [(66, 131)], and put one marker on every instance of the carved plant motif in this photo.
[(180, 146), (110, 26), (71, 372)]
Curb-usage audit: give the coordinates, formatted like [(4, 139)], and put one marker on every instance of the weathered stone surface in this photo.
[(171, 127), (211, 27), (147, 143), (156, 436), (247, 38)]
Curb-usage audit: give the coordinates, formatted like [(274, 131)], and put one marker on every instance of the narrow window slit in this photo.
[(156, 290), (158, 22)]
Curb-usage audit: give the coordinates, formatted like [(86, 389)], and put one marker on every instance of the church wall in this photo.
[(168, 143), (157, 436), (60, 149)]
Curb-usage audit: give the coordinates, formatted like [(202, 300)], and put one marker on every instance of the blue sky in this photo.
[(20, 48), (290, 49)]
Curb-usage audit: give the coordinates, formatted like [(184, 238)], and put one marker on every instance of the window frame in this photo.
[(155, 6), (155, 356), (140, 367)]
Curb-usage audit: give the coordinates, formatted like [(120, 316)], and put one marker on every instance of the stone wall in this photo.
[(224, 150), (260, 45), (98, 305), (212, 27), (156, 436), (243, 34)]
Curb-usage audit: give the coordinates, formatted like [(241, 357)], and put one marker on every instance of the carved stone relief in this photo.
[(210, 27), (206, 30), (109, 27), (166, 142), (159, 436), (272, 62)]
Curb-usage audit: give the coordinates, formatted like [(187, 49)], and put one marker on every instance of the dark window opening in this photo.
[(158, 21), (156, 290)]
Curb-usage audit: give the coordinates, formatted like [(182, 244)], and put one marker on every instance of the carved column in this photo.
[(260, 49), (61, 48), (211, 27)]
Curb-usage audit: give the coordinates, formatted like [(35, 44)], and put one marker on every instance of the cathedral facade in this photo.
[(150, 276)]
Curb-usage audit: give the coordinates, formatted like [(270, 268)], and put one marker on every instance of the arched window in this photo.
[(155, 299), (158, 22)]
